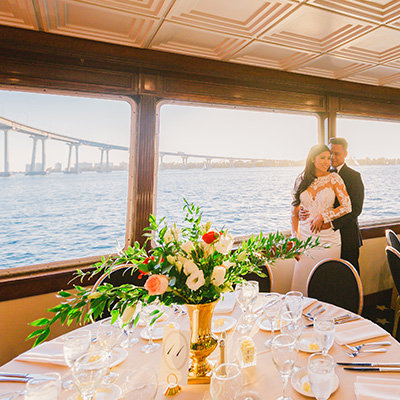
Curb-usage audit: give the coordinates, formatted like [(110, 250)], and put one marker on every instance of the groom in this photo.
[(347, 224)]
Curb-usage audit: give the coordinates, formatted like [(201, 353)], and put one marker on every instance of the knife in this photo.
[(371, 369), (364, 364), (14, 379), (22, 375), (337, 322)]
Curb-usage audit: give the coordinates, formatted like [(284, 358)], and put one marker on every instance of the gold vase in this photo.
[(202, 341)]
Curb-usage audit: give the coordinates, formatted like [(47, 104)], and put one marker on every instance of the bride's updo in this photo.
[(306, 178)]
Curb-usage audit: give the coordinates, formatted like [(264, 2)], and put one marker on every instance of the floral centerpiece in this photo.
[(192, 264)]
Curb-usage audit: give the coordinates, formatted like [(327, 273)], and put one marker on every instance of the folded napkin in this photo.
[(357, 331), (377, 388), (226, 304), (48, 352)]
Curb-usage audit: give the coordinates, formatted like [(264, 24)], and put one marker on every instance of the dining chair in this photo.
[(337, 282), (392, 239), (393, 258), (265, 284)]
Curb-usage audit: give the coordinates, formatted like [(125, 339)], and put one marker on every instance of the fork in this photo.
[(312, 310), (356, 353), (312, 317), (357, 348)]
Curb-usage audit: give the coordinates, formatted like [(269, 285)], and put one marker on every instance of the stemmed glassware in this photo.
[(226, 382), (294, 303), (250, 315), (128, 328), (272, 309), (324, 332), (109, 335), (141, 384), (149, 314), (321, 371), (284, 355), (291, 325), (246, 294), (46, 387), (76, 343), (88, 372)]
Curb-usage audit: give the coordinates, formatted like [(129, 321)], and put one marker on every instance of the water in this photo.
[(320, 376), (61, 217)]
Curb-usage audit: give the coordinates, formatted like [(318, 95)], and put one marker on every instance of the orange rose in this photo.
[(156, 284)]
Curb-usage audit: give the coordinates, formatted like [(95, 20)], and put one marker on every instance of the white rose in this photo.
[(189, 267), (195, 280), (187, 247), (227, 264), (224, 244), (218, 276), (178, 266)]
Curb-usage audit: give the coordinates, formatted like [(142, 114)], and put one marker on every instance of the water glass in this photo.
[(324, 332), (46, 387), (149, 315), (128, 327), (272, 309), (226, 382), (246, 295), (321, 372), (249, 396), (294, 302), (250, 316), (141, 384), (284, 355), (291, 325)]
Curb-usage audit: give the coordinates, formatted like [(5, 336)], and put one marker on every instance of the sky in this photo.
[(192, 129)]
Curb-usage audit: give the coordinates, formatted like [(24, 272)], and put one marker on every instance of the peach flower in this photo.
[(156, 284)]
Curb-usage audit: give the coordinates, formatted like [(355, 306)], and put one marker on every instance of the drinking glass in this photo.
[(149, 313), (226, 381), (109, 335), (324, 332), (128, 327), (321, 371), (246, 294), (294, 302), (249, 396), (88, 372), (272, 309), (47, 387), (284, 355), (251, 316), (76, 343), (291, 325), (141, 384)]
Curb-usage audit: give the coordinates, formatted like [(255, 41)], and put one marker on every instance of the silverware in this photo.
[(356, 353), (338, 321), (364, 364), (360, 346), (307, 315), (372, 369), (317, 313), (21, 375), (14, 379)]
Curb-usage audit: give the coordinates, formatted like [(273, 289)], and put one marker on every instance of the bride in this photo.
[(315, 190)]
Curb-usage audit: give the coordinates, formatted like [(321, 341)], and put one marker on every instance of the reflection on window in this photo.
[(63, 177), (238, 165), (374, 152)]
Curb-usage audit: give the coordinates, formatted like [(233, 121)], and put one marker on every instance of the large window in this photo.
[(238, 165), (71, 203), (374, 152)]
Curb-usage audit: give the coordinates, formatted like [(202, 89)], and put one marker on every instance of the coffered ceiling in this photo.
[(350, 40)]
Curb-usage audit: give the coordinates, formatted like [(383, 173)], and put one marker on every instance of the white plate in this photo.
[(166, 314), (300, 377), (224, 325), (158, 332), (305, 341), (265, 325), (106, 392), (117, 356)]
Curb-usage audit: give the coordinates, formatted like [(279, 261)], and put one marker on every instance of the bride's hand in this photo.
[(316, 224)]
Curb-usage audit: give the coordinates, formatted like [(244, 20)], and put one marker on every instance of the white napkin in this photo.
[(48, 352), (377, 388), (357, 331), (226, 304)]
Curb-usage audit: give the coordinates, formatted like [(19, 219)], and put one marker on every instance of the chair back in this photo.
[(393, 257), (266, 284), (392, 239), (337, 282)]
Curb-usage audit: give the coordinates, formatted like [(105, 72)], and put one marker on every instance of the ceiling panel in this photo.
[(19, 14)]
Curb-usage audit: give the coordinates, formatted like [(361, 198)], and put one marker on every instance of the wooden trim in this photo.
[(373, 231)]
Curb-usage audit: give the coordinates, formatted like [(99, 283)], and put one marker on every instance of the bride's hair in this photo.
[(306, 178)]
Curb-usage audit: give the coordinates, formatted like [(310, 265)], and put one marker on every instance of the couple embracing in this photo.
[(328, 198)]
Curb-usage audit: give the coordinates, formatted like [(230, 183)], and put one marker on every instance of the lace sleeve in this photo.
[(296, 186), (344, 200)]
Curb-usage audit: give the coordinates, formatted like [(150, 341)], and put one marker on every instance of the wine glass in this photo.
[(46, 387), (284, 355), (294, 302), (291, 325), (109, 336), (128, 327), (321, 371), (141, 384), (226, 381), (149, 314), (251, 316), (88, 372), (76, 343), (246, 294), (324, 332), (272, 309)]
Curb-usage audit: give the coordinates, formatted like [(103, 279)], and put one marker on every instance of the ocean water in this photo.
[(59, 217)]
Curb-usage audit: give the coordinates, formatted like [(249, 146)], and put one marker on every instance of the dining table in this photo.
[(263, 378)]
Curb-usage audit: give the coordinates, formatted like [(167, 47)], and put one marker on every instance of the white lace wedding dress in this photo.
[(319, 199)]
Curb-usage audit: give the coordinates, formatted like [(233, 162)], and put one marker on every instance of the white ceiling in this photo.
[(350, 40)]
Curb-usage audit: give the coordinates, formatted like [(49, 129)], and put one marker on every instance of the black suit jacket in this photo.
[(348, 224)]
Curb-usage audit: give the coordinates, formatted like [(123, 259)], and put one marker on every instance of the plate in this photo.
[(106, 392), (117, 356), (222, 324), (307, 342), (166, 314), (265, 325), (300, 377), (158, 332)]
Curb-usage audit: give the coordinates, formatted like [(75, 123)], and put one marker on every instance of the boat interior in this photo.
[(326, 57)]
